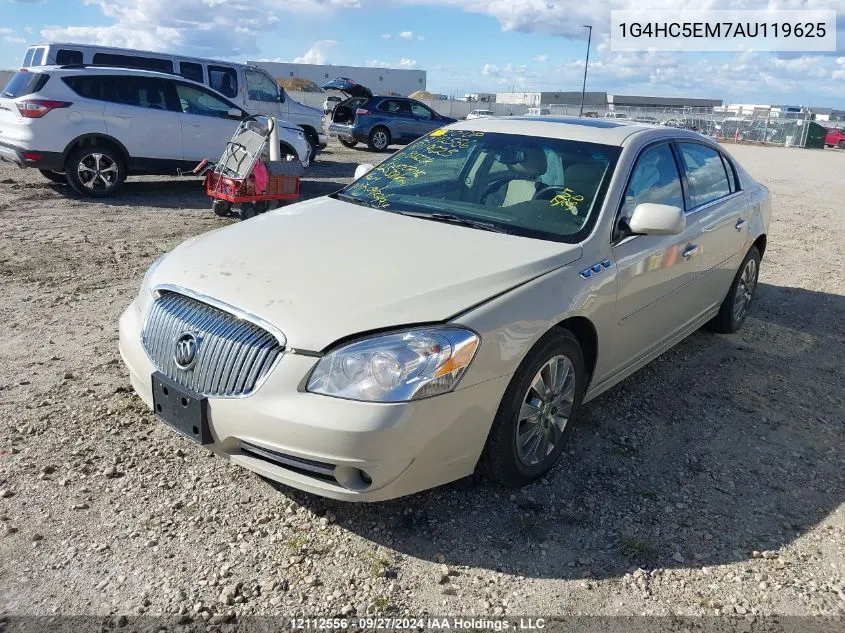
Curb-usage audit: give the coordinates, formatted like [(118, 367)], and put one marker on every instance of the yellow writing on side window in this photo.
[(568, 199)]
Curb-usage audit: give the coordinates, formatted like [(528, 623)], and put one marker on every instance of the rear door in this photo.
[(657, 293), (206, 123), (396, 115), (139, 115), (722, 212)]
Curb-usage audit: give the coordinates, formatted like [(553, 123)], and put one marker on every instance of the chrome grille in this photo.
[(232, 357)]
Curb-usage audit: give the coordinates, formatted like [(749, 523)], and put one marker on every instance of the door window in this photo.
[(224, 80), (705, 173), (133, 61), (394, 106), (261, 87), (193, 100), (192, 71), (98, 87), (142, 92), (418, 109), (66, 56), (655, 179)]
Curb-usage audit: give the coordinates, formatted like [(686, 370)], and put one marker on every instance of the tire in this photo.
[(82, 162), (347, 143), (262, 206), (221, 208), (841, 145), (502, 459), (54, 176), (248, 211), (379, 139), (734, 308)]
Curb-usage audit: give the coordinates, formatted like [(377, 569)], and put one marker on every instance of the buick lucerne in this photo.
[(452, 309)]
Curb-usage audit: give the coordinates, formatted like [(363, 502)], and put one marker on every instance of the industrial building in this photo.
[(603, 100), (401, 81)]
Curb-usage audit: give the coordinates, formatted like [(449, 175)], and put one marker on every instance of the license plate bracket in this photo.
[(181, 409)]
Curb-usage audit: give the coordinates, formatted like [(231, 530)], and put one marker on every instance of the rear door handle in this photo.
[(689, 251), (739, 224)]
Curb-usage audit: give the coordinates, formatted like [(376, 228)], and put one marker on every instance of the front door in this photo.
[(425, 119), (656, 274), (206, 123), (142, 115), (263, 94)]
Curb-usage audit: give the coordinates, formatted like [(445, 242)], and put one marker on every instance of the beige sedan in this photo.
[(452, 309)]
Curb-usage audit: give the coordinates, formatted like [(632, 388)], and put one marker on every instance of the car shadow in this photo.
[(724, 446)]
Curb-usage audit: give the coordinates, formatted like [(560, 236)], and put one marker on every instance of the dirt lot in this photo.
[(711, 482)]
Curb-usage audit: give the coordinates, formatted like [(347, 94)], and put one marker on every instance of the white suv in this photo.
[(92, 126)]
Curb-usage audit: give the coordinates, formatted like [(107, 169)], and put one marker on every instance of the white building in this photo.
[(380, 80)]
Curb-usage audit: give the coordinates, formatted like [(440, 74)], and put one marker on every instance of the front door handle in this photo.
[(689, 251), (739, 224)]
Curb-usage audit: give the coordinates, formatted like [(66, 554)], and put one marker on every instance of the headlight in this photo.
[(145, 284), (396, 367)]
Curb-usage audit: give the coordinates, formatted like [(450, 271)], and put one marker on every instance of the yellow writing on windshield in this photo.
[(568, 199)]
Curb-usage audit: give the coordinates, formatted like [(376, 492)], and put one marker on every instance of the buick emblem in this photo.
[(185, 352)]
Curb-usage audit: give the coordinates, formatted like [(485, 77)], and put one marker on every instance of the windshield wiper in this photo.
[(347, 198), (455, 219)]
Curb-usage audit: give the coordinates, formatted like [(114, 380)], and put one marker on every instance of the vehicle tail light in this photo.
[(32, 156), (37, 108), (361, 111)]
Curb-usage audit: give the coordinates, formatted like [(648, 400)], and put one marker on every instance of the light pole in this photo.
[(586, 62)]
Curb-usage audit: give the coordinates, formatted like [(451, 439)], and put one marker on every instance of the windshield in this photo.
[(531, 186)]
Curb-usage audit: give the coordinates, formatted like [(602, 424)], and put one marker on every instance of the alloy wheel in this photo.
[(97, 172), (745, 288), (380, 139), (546, 410)]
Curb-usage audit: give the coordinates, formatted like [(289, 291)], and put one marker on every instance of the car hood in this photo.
[(325, 269)]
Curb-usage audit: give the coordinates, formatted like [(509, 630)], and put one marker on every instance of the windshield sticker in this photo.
[(440, 132), (568, 199)]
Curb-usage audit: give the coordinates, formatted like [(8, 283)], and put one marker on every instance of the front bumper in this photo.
[(322, 445)]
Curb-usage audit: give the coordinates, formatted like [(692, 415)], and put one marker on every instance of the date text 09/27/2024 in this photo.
[(410, 623)]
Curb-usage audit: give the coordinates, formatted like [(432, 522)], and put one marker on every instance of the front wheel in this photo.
[(537, 412), (734, 308), (379, 139), (54, 176), (841, 145), (95, 171), (313, 145)]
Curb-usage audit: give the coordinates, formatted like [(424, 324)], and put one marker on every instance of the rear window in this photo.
[(66, 56), (133, 61), (98, 87), (38, 57), (24, 83), (27, 59)]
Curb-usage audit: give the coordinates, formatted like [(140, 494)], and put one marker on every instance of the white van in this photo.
[(249, 86)]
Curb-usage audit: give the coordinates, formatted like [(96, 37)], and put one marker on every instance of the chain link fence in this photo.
[(751, 124)]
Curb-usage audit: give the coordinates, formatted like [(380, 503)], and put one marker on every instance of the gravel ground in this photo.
[(709, 483)]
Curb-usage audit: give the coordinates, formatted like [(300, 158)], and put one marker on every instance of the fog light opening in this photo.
[(352, 478)]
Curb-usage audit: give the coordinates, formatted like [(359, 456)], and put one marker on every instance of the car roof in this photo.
[(90, 69), (588, 130)]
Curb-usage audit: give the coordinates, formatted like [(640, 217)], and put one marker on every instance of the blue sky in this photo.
[(465, 45)]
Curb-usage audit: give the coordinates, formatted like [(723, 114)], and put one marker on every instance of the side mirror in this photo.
[(235, 113), (363, 170), (657, 219)]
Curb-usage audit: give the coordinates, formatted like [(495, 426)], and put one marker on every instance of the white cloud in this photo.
[(541, 59), (14, 39), (317, 54), (407, 35), (407, 63), (385, 36)]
